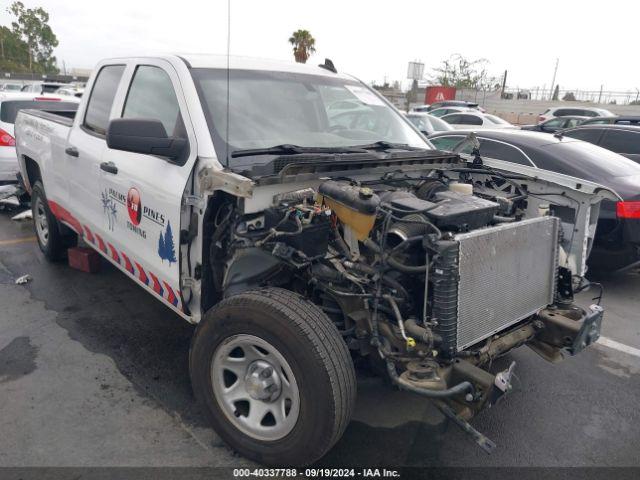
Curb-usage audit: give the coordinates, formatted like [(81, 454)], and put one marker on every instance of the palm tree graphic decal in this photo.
[(166, 247), (109, 207)]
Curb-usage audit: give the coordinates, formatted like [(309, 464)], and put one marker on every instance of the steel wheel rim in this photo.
[(255, 387), (41, 222)]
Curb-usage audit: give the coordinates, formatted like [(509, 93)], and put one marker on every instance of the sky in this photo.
[(372, 39)]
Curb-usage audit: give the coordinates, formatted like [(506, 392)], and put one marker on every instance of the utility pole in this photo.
[(553, 82), (504, 84), (600, 95)]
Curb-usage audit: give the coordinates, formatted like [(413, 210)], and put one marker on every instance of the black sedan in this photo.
[(622, 139), (621, 120), (555, 124), (617, 241)]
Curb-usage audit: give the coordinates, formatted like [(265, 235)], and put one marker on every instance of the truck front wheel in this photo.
[(275, 375), (48, 233)]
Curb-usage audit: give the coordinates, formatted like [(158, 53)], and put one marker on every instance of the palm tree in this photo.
[(303, 45)]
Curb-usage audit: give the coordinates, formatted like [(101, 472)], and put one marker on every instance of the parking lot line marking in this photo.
[(15, 241), (621, 347)]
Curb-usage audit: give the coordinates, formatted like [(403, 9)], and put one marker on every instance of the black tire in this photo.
[(55, 246), (316, 353)]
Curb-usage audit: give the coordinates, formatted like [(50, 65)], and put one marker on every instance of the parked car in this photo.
[(464, 120), (454, 103), (10, 87), (622, 139), (621, 120), (428, 124), (267, 236), (441, 112), (555, 124), (70, 92), (617, 240), (421, 108), (572, 112), (10, 104), (43, 87)]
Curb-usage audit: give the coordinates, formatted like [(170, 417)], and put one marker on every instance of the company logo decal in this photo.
[(134, 206), (136, 210)]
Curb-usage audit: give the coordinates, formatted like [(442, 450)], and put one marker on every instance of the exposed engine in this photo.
[(429, 278)]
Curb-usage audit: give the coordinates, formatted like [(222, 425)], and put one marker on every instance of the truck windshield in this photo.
[(268, 109)]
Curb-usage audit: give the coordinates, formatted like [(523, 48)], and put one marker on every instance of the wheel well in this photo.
[(211, 279), (33, 171)]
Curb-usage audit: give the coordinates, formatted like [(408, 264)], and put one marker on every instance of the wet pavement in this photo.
[(94, 372)]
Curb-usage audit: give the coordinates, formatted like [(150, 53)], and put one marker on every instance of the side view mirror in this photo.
[(141, 135)]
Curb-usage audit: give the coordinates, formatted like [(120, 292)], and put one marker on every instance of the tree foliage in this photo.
[(303, 45), (28, 45), (457, 71)]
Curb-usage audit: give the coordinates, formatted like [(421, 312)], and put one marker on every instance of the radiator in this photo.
[(492, 278)]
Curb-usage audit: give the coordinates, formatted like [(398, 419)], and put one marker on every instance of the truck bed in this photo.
[(62, 117), (41, 135)]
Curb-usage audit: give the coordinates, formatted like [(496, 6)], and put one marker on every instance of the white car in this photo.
[(43, 87), (441, 112), (476, 119), (70, 92), (550, 113), (428, 124), (11, 87), (10, 104), (421, 108)]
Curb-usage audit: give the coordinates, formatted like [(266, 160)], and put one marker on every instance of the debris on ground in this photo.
[(7, 191), (27, 214), (10, 201), (23, 279)]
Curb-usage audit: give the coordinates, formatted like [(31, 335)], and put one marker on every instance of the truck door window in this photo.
[(102, 94), (152, 96)]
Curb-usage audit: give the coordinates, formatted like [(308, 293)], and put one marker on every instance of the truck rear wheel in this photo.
[(275, 375), (53, 244)]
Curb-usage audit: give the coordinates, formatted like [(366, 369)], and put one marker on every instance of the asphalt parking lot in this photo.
[(94, 372)]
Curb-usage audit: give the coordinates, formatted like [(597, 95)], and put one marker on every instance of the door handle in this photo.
[(72, 151), (109, 167)]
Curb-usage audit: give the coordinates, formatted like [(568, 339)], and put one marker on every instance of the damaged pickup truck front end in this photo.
[(429, 266)]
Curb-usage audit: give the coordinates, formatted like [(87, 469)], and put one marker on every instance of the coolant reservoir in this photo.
[(461, 188), (355, 206)]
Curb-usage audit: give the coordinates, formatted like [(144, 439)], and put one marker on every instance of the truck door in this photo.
[(83, 154), (142, 193)]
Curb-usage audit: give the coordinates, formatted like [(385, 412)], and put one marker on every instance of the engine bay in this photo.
[(427, 277)]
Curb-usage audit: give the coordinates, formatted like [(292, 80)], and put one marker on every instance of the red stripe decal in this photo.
[(114, 253), (89, 235), (143, 276), (127, 263), (171, 297), (101, 244), (64, 215), (156, 285)]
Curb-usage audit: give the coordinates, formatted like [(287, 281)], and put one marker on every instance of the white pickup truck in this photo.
[(302, 222)]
